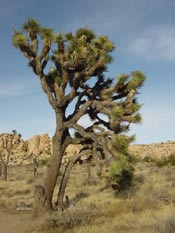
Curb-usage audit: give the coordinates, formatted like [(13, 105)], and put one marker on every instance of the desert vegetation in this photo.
[(71, 69), (147, 206), (101, 186)]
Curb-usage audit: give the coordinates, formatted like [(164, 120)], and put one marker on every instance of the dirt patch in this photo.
[(16, 222)]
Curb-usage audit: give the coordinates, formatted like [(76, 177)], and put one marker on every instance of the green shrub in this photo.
[(75, 216), (44, 162), (133, 159), (164, 161), (121, 173), (148, 159), (171, 159)]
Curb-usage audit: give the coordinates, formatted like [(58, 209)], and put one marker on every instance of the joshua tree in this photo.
[(8, 143), (75, 85)]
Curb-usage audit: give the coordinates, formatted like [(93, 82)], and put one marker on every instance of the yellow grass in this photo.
[(149, 207)]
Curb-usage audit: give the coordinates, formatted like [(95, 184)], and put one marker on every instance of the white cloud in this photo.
[(155, 43)]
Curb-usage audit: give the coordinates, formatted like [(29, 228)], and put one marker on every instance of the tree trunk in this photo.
[(44, 193), (53, 171), (4, 170), (64, 181), (89, 174), (0, 169)]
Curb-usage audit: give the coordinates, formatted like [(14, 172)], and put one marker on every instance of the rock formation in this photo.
[(18, 151), (154, 150), (40, 147)]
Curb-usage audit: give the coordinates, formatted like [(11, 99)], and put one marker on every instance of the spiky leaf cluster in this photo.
[(71, 68)]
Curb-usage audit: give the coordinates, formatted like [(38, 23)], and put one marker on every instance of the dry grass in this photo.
[(149, 207)]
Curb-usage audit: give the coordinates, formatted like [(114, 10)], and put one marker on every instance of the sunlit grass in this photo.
[(149, 206)]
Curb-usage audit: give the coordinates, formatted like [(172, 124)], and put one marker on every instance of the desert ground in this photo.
[(148, 206)]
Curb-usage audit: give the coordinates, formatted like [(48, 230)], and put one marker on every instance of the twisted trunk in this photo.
[(44, 194), (64, 181)]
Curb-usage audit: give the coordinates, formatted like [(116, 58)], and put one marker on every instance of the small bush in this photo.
[(167, 225), (170, 225), (171, 159), (165, 161), (133, 159), (148, 159), (70, 218), (121, 173), (44, 162)]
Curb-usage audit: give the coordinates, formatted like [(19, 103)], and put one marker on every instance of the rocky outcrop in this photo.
[(33, 145), (154, 150), (39, 145), (16, 146), (45, 144), (23, 152)]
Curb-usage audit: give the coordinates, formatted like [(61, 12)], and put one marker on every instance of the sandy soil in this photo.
[(16, 222)]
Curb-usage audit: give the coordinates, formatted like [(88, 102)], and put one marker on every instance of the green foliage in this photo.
[(117, 112), (102, 42), (121, 173), (161, 162), (135, 107), (172, 159), (137, 80), (137, 118), (148, 159), (47, 34), (121, 143), (44, 162), (166, 161), (85, 33), (31, 26), (19, 39), (122, 78)]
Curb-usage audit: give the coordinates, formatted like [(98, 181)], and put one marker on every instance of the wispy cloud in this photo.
[(114, 18), (155, 43)]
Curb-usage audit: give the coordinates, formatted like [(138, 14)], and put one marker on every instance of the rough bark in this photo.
[(89, 173), (0, 168), (5, 172), (45, 198), (64, 181)]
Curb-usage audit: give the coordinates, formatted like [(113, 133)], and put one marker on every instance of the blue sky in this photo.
[(144, 34)]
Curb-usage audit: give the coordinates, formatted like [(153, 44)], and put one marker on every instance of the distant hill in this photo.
[(40, 146), (155, 150)]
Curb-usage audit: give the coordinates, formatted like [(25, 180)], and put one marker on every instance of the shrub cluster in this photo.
[(121, 173), (73, 217), (165, 161), (161, 162)]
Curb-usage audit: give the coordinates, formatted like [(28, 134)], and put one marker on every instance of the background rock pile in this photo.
[(40, 147), (154, 150)]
